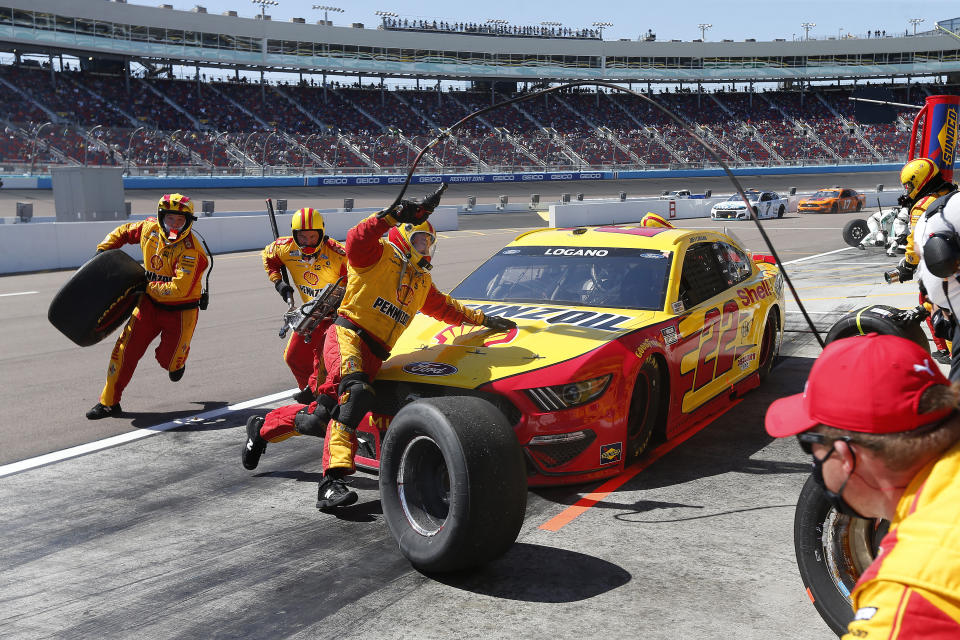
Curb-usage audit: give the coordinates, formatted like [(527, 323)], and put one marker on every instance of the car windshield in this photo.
[(581, 276), (752, 196), (820, 195)]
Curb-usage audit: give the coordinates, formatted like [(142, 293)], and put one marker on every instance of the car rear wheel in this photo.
[(646, 408), (859, 206), (855, 231), (781, 211), (769, 345), (833, 209), (453, 483)]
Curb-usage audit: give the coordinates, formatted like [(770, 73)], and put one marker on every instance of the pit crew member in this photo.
[(313, 260), (175, 261)]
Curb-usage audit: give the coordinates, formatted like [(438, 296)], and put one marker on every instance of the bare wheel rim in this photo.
[(423, 485)]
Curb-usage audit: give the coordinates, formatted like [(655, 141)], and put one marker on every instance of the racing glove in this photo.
[(499, 324), (904, 201), (906, 270), (285, 291)]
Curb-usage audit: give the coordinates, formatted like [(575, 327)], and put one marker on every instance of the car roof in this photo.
[(631, 236)]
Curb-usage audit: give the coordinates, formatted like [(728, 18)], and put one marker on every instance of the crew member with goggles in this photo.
[(388, 282), (313, 260), (175, 261), (923, 185)]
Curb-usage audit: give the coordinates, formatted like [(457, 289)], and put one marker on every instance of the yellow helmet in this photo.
[(916, 175), (415, 242), (179, 204), (307, 219), (654, 220)]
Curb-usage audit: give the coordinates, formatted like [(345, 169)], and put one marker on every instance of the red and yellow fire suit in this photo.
[(305, 359), (168, 308), (381, 305), (912, 590)]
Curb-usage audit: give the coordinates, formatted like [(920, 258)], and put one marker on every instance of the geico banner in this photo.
[(461, 178)]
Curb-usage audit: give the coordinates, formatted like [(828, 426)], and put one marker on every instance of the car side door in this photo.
[(710, 331)]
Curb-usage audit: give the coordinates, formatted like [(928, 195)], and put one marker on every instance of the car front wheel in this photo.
[(646, 408)]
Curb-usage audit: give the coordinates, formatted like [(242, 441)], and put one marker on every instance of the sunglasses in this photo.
[(809, 438)]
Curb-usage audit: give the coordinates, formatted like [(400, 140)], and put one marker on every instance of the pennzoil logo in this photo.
[(948, 137), (610, 453)]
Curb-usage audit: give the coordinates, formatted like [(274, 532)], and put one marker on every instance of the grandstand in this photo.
[(330, 111)]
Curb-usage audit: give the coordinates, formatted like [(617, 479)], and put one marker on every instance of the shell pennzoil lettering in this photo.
[(555, 315), (752, 295)]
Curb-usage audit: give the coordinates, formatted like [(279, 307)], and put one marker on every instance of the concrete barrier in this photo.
[(65, 245)]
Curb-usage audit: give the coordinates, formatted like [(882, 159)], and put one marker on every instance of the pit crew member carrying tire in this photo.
[(313, 260), (388, 282), (175, 261)]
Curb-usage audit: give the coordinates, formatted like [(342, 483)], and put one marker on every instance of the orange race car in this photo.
[(832, 200)]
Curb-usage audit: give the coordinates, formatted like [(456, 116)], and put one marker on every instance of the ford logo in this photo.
[(430, 369)]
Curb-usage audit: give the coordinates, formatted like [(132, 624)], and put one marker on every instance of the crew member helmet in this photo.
[(178, 204), (416, 243), (307, 219), (917, 176), (656, 221)]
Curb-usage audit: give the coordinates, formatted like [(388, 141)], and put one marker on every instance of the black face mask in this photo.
[(835, 499)]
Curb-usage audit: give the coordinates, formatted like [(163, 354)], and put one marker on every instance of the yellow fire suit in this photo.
[(309, 277), (912, 590), (917, 210), (168, 308)]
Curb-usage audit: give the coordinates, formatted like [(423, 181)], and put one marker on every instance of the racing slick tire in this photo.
[(756, 212), (855, 231), (781, 211), (769, 345), (834, 208), (453, 483), (832, 551), (98, 298), (877, 318), (859, 207), (647, 408)]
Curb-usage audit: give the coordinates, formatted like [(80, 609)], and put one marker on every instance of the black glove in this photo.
[(905, 269), (498, 323), (904, 201), (410, 211), (99, 251), (942, 324), (285, 290)]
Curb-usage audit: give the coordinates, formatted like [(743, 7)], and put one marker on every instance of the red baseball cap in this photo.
[(870, 384)]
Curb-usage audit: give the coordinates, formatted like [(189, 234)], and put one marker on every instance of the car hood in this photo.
[(731, 205), (434, 352)]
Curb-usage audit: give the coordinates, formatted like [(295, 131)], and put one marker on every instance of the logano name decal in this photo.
[(572, 251), (752, 295), (554, 315)]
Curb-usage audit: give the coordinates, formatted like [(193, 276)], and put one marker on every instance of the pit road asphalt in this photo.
[(169, 537)]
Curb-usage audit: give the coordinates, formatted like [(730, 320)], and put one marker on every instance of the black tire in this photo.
[(781, 211), (877, 318), (769, 345), (756, 212), (98, 298), (832, 552), (859, 206), (647, 407), (855, 231), (453, 483), (833, 209)]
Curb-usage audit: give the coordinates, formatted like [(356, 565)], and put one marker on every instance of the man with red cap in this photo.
[(893, 454)]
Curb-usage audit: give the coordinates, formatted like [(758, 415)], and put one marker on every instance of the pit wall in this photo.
[(220, 182), (39, 246)]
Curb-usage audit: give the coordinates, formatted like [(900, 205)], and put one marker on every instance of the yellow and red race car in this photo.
[(832, 200), (625, 334)]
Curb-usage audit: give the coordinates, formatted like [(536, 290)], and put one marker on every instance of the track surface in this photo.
[(170, 537)]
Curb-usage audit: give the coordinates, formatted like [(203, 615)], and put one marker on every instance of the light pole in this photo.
[(325, 9), (386, 14), (306, 151), (601, 25), (264, 4), (839, 31), (498, 23), (243, 151), (915, 22), (703, 29), (36, 137), (126, 156), (86, 146), (213, 151), (806, 26)]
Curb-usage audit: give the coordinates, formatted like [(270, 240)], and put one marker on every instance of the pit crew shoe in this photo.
[(254, 447), (304, 396), (176, 374), (942, 356), (103, 411), (333, 492)]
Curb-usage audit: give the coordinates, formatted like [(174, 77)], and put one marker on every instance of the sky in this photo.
[(736, 19)]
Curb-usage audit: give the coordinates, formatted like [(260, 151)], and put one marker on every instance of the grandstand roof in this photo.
[(136, 32)]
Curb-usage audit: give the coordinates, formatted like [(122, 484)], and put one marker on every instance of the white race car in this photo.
[(766, 204)]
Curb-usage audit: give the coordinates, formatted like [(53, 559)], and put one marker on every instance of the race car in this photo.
[(832, 200), (681, 194), (625, 335), (766, 204)]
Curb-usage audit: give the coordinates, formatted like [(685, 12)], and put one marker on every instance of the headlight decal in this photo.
[(566, 396)]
